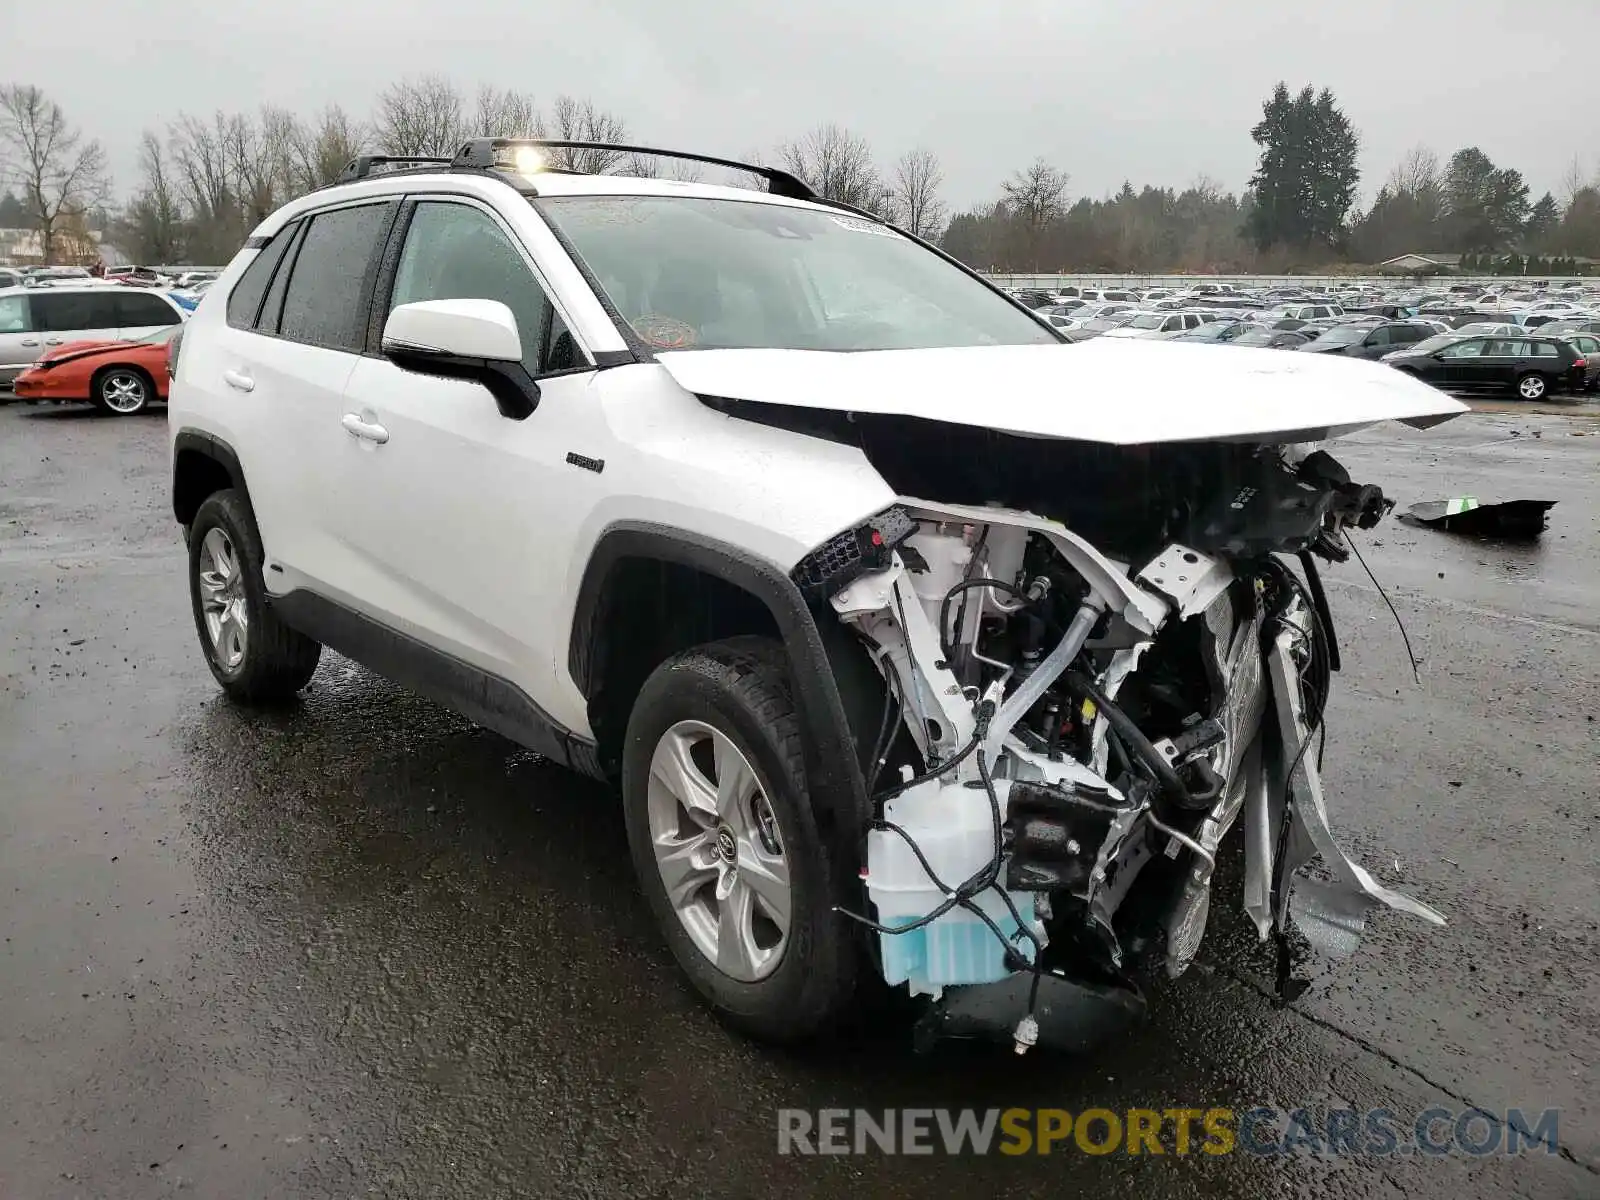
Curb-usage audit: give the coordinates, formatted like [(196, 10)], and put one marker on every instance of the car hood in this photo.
[(74, 349), (1116, 391)]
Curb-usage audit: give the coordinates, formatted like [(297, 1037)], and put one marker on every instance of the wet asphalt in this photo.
[(360, 947)]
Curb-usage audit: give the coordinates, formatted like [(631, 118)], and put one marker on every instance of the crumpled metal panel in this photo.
[(1331, 913)]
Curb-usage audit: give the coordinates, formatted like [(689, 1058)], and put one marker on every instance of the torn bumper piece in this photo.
[(1513, 519), (1330, 912), (1072, 1015)]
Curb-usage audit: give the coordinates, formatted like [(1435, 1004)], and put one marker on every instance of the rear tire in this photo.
[(254, 656), (122, 391), (717, 723), (1532, 386)]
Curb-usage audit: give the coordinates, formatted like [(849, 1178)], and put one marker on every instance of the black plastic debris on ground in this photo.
[(1509, 519)]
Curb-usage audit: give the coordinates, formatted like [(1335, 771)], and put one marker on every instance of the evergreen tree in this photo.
[(1305, 181), (1486, 207)]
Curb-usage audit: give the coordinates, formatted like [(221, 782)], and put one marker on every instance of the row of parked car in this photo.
[(1532, 342), (71, 339)]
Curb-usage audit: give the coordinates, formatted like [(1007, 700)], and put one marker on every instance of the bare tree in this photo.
[(61, 175), (203, 178), (506, 113), (580, 121), (654, 166), (258, 161), (837, 165), (915, 188), (421, 116), (1037, 194), (152, 229), (1418, 173), (1572, 179), (318, 153)]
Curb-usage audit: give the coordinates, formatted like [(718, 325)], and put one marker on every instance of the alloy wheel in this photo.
[(222, 598), (124, 392), (718, 850), (1531, 387)]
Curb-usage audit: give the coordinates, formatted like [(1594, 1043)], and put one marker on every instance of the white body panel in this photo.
[(1127, 392), (472, 531)]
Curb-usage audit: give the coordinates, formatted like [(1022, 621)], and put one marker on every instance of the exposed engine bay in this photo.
[(1079, 706)]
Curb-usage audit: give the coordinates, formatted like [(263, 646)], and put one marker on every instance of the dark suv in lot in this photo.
[(1357, 340), (1530, 366)]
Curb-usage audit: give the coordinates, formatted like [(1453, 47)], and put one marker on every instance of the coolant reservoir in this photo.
[(947, 554), (954, 827)]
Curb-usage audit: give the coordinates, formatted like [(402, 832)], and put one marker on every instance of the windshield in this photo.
[(1343, 335), (158, 337), (1146, 321), (692, 273)]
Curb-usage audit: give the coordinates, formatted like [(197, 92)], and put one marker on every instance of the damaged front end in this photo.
[(1078, 707)]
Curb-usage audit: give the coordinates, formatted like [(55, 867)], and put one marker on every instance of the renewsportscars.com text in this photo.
[(1262, 1131)]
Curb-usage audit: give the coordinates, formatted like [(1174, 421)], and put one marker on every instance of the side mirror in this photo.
[(475, 340)]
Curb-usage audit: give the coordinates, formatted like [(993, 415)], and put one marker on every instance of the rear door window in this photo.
[(71, 312), (324, 301)]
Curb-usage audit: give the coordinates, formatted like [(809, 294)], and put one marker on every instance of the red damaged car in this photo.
[(121, 378)]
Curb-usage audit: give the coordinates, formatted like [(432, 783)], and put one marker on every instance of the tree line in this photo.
[(1299, 212), (203, 181)]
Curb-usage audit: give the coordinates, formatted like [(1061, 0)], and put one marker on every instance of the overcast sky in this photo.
[(1156, 91)]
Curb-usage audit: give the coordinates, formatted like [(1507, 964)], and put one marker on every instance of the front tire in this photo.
[(254, 656), (1532, 386), (122, 391), (725, 841)]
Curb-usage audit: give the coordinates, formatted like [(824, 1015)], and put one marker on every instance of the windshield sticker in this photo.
[(665, 333), (857, 225)]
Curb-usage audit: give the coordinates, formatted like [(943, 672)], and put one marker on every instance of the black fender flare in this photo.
[(209, 446), (836, 781)]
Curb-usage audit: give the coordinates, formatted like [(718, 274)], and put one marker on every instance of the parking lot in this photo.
[(363, 948)]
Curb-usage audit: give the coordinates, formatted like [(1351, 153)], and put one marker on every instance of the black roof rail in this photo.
[(482, 154), (361, 166)]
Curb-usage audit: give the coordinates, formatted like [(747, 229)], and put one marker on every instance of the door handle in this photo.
[(30, 341), (364, 430), (52, 341), (238, 380)]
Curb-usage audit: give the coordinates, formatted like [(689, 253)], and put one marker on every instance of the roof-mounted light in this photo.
[(525, 160)]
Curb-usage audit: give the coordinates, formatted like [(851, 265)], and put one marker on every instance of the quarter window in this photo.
[(134, 310), (244, 302), (322, 304)]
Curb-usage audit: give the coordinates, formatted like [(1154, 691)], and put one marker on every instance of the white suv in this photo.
[(918, 641)]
